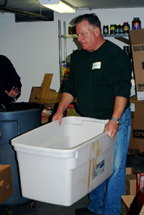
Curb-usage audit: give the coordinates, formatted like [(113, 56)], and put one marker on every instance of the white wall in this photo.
[(33, 47)]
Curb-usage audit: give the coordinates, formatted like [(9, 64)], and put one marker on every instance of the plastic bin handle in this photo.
[(10, 121), (96, 120)]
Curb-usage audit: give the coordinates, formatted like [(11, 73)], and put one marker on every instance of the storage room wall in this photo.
[(33, 47)]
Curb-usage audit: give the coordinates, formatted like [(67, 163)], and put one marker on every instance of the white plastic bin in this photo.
[(61, 164)]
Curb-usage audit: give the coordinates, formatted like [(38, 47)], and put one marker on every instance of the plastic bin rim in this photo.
[(64, 153), (19, 111)]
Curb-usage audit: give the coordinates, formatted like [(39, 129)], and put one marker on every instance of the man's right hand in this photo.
[(65, 101), (58, 116)]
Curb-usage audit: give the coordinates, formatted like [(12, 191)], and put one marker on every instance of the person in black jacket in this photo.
[(100, 79), (10, 84)]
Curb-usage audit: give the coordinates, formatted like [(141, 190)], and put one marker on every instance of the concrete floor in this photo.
[(135, 161), (43, 208)]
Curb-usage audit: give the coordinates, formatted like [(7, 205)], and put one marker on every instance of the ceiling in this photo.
[(105, 4), (26, 10), (33, 9)]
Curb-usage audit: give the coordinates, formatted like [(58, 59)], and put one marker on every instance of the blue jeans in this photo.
[(106, 198)]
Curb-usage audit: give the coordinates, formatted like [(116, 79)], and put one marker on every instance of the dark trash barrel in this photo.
[(13, 124)]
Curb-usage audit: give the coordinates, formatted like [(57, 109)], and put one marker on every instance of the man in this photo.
[(100, 77), (10, 85)]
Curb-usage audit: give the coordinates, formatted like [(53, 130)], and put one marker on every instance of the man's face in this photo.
[(86, 36)]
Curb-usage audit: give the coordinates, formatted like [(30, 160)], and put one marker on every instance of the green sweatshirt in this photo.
[(96, 78)]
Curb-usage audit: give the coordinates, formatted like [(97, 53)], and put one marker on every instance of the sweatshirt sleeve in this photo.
[(13, 77), (8, 79), (119, 75)]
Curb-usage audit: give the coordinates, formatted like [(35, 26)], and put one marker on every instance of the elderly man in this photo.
[(100, 78)]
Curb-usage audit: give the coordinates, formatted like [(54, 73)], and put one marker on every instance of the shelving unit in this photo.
[(69, 36)]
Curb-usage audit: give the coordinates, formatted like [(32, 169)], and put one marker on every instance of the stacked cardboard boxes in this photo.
[(133, 200), (137, 126), (137, 46), (137, 102), (130, 182)]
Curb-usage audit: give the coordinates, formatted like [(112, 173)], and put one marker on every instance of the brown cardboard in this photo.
[(6, 188), (137, 125), (126, 203), (45, 86), (34, 95), (56, 99), (130, 184), (45, 115), (130, 181), (130, 170), (129, 206), (44, 94), (137, 46), (44, 120), (142, 211)]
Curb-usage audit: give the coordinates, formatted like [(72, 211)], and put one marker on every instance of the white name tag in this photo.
[(96, 65)]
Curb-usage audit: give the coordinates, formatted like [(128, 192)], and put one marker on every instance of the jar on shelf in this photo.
[(120, 29), (136, 23), (126, 27), (127, 50), (105, 29), (72, 30), (112, 28)]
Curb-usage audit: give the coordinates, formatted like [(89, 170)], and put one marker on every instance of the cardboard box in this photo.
[(133, 204), (130, 170), (34, 95), (44, 94), (6, 188), (129, 206), (45, 86), (126, 202), (137, 46), (137, 125), (45, 115), (130, 182)]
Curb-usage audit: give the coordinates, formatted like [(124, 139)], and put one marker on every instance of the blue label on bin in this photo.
[(99, 168)]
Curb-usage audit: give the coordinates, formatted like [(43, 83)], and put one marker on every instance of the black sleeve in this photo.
[(8, 79)]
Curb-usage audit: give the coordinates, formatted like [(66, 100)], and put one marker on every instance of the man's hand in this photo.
[(119, 107), (112, 128), (13, 92), (58, 116), (65, 101)]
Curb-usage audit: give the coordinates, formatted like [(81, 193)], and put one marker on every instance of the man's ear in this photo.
[(96, 31)]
